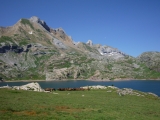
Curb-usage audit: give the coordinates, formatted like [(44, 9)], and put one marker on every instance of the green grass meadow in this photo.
[(76, 105)]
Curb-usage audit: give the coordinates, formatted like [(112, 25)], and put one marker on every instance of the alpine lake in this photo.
[(140, 85)]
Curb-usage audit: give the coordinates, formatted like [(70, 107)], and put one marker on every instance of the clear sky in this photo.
[(132, 26)]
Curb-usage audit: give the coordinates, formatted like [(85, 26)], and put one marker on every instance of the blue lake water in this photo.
[(141, 85)]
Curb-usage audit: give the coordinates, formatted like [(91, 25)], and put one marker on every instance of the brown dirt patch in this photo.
[(3, 111), (29, 113), (67, 109)]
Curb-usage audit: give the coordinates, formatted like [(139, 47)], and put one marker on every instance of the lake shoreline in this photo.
[(141, 85), (129, 79)]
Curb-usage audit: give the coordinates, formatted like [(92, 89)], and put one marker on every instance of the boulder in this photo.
[(30, 86)]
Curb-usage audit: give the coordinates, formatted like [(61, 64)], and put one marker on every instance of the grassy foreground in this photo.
[(80, 105)]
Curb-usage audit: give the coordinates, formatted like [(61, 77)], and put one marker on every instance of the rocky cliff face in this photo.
[(151, 60), (41, 22), (89, 42), (30, 49), (110, 52)]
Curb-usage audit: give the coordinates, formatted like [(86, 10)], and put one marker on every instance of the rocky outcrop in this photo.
[(151, 60), (41, 22), (96, 76), (60, 34), (59, 44), (30, 86), (64, 73), (128, 91), (99, 87), (89, 42), (15, 48), (120, 92), (57, 74), (110, 52)]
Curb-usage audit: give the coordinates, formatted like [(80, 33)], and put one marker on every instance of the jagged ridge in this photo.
[(30, 49)]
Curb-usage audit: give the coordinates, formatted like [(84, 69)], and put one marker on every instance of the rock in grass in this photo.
[(30, 86)]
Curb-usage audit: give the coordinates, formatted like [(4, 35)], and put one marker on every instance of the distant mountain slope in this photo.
[(151, 60), (31, 50)]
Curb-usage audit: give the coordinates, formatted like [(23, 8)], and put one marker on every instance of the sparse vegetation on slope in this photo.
[(42, 53), (27, 22), (6, 39)]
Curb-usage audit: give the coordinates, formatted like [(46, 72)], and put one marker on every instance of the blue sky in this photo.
[(132, 26)]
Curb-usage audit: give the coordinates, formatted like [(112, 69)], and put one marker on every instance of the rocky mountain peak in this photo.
[(41, 22), (35, 19), (89, 42), (32, 50), (60, 29)]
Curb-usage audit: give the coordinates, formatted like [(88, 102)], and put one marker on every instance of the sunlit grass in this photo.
[(81, 105)]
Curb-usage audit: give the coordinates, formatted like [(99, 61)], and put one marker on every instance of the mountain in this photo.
[(31, 50), (151, 60)]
